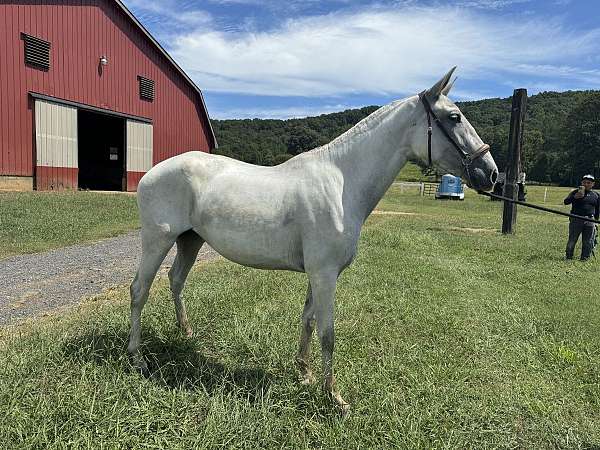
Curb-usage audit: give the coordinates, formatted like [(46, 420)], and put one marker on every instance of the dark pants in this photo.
[(586, 230)]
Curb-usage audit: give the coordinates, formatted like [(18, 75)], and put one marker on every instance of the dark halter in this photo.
[(467, 158)]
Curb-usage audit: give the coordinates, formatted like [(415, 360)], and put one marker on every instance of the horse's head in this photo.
[(453, 146)]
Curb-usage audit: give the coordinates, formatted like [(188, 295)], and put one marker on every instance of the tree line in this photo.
[(561, 138)]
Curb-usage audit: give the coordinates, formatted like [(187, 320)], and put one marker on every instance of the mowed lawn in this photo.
[(449, 335), (32, 222)]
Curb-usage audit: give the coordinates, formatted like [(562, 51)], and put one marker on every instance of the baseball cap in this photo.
[(588, 177)]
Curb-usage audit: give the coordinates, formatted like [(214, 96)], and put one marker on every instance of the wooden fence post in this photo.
[(513, 163)]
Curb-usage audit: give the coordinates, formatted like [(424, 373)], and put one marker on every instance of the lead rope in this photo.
[(540, 208), (429, 133)]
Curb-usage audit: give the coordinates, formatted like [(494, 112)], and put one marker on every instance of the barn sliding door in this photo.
[(139, 152), (56, 146)]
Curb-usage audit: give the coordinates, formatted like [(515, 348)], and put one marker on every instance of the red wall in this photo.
[(80, 32)]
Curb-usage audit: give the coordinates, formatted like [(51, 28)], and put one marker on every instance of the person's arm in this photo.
[(597, 212), (570, 198)]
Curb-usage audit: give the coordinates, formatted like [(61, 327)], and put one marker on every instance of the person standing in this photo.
[(585, 202)]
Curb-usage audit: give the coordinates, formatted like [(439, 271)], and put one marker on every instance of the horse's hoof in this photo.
[(344, 410), (307, 379), (142, 368), (185, 329), (341, 404), (144, 371)]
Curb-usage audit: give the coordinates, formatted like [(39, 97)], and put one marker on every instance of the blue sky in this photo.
[(296, 58)]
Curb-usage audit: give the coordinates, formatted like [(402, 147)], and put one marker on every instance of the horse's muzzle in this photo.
[(481, 173)]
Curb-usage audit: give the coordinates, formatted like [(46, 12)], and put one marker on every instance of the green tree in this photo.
[(582, 137), (302, 139), (556, 136), (281, 158), (532, 157)]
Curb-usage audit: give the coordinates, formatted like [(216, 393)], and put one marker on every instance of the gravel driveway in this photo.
[(31, 285)]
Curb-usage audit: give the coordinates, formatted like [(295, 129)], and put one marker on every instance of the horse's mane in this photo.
[(360, 128)]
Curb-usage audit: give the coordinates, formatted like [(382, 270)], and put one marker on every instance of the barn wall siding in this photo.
[(80, 32), (139, 152), (133, 179), (56, 135), (56, 146), (55, 178)]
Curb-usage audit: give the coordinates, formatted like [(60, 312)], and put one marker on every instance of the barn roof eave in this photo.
[(172, 61)]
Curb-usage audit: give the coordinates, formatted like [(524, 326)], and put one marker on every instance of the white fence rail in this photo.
[(424, 188)]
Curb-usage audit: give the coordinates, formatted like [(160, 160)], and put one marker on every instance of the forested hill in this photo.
[(562, 134)]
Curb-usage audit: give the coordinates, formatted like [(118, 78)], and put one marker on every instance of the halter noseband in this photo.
[(467, 158)]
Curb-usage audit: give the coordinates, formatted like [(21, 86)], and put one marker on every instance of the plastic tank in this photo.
[(450, 187)]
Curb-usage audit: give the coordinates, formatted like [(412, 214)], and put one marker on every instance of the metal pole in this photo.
[(513, 165)]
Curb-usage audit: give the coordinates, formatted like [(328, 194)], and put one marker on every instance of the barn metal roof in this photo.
[(171, 60)]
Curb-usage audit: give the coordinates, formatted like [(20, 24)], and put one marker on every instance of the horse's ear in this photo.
[(438, 88), (446, 90)]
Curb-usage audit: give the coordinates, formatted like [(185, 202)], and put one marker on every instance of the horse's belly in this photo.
[(262, 249), (250, 218)]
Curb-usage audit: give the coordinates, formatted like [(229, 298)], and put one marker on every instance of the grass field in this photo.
[(37, 221), (449, 335), (412, 172)]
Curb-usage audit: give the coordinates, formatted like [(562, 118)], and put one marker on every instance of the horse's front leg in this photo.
[(308, 326), (323, 290)]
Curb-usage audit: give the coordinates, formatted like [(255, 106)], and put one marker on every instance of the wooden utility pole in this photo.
[(513, 163)]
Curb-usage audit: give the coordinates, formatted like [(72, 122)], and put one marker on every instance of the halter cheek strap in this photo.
[(429, 133), (467, 158)]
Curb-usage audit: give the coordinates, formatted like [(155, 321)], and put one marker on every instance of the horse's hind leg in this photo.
[(155, 247), (188, 246), (308, 326)]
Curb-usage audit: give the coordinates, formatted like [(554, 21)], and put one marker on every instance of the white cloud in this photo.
[(489, 4), (380, 51), (561, 72), (168, 13), (292, 112)]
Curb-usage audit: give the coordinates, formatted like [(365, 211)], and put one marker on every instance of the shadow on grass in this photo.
[(174, 363)]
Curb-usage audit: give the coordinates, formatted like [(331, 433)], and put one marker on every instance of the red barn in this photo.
[(88, 98)]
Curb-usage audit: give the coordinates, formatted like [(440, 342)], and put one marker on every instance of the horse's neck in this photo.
[(371, 154)]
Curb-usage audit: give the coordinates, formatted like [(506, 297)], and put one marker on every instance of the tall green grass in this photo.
[(37, 221), (449, 335)]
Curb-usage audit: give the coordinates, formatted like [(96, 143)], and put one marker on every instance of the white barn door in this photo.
[(139, 152), (56, 146)]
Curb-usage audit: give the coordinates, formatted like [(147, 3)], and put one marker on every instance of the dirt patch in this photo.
[(32, 285), (465, 230), (396, 213)]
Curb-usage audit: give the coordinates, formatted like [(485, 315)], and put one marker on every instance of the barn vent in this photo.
[(37, 52), (146, 88)]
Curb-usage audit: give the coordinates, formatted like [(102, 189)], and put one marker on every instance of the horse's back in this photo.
[(230, 204), (254, 215), (166, 192)]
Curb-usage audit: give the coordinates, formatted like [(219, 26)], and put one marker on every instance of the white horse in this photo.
[(303, 215)]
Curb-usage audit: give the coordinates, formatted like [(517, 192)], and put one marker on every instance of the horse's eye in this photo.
[(455, 117)]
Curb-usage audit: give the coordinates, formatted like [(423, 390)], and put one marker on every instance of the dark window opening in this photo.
[(37, 52), (146, 88), (101, 155)]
